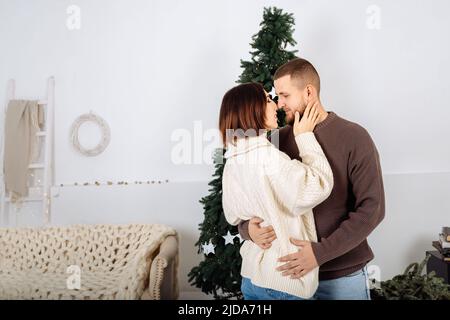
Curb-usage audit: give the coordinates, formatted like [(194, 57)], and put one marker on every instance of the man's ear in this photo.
[(310, 92), (307, 93)]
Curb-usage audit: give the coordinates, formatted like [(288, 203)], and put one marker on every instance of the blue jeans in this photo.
[(254, 292), (354, 286)]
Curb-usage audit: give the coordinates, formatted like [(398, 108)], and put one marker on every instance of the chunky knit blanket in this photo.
[(79, 262)]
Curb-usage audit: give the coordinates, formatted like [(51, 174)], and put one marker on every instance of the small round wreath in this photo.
[(106, 134)]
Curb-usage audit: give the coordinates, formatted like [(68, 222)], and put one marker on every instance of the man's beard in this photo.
[(290, 121)]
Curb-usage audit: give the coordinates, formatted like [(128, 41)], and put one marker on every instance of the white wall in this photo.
[(416, 207), (151, 67)]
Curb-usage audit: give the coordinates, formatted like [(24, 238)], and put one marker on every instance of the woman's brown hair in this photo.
[(243, 108)]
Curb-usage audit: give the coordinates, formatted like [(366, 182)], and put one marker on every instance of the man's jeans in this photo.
[(354, 286)]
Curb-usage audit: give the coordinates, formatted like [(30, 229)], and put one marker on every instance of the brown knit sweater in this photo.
[(356, 204)]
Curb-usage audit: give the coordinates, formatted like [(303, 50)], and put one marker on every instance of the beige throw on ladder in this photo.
[(23, 118)]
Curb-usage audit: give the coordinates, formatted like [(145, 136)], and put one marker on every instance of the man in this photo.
[(356, 204)]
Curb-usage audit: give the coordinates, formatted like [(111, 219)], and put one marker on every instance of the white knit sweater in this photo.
[(261, 181)]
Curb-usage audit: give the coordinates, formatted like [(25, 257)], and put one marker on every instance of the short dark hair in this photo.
[(243, 107), (300, 69)]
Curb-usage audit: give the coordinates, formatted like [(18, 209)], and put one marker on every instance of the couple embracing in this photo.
[(305, 197)]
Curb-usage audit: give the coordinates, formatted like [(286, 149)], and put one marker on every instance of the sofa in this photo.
[(89, 262)]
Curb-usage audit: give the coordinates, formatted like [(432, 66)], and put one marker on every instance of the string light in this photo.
[(110, 183)]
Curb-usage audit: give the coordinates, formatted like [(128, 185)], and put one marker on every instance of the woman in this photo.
[(259, 180)]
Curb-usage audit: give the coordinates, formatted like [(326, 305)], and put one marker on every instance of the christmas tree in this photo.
[(219, 272), (269, 51)]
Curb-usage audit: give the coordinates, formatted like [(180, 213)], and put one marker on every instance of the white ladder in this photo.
[(46, 165)]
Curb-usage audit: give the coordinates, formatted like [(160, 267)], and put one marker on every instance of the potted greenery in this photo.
[(413, 285)]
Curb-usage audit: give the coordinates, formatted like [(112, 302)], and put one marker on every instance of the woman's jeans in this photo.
[(253, 292), (354, 286)]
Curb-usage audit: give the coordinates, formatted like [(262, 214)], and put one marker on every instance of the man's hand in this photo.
[(263, 237), (299, 263)]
